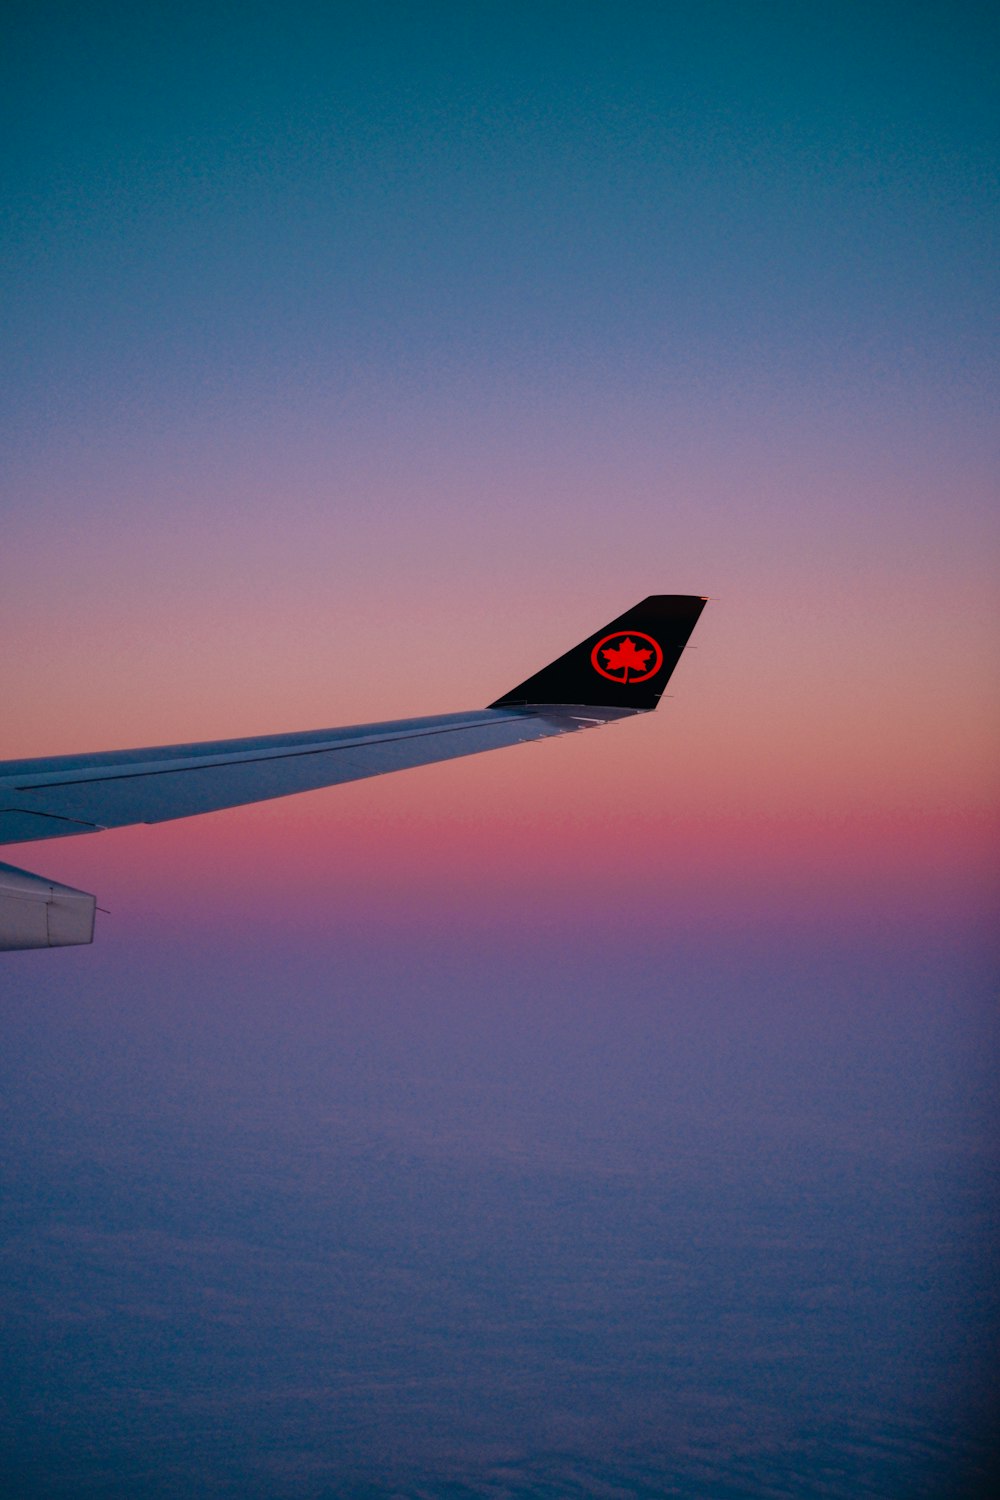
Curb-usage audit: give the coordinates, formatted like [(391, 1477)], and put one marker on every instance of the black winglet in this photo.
[(626, 664)]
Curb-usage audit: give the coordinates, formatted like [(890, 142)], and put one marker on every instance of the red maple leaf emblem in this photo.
[(627, 655), (623, 656)]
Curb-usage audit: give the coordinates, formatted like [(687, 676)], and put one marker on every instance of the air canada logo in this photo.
[(627, 656)]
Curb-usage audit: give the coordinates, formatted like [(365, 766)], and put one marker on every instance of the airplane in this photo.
[(620, 670)]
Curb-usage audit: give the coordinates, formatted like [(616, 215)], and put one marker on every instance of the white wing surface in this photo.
[(620, 670), (41, 799)]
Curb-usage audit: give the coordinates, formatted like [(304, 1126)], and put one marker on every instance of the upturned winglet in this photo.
[(626, 664)]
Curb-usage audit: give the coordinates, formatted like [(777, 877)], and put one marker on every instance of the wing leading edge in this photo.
[(618, 671)]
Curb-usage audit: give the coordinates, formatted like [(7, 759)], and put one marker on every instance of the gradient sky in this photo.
[(358, 362), (360, 359)]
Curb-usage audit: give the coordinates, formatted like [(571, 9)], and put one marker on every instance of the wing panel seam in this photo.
[(251, 758)]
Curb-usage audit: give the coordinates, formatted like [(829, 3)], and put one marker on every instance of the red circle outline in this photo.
[(638, 635)]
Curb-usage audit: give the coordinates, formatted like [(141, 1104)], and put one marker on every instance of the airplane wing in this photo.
[(620, 670)]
